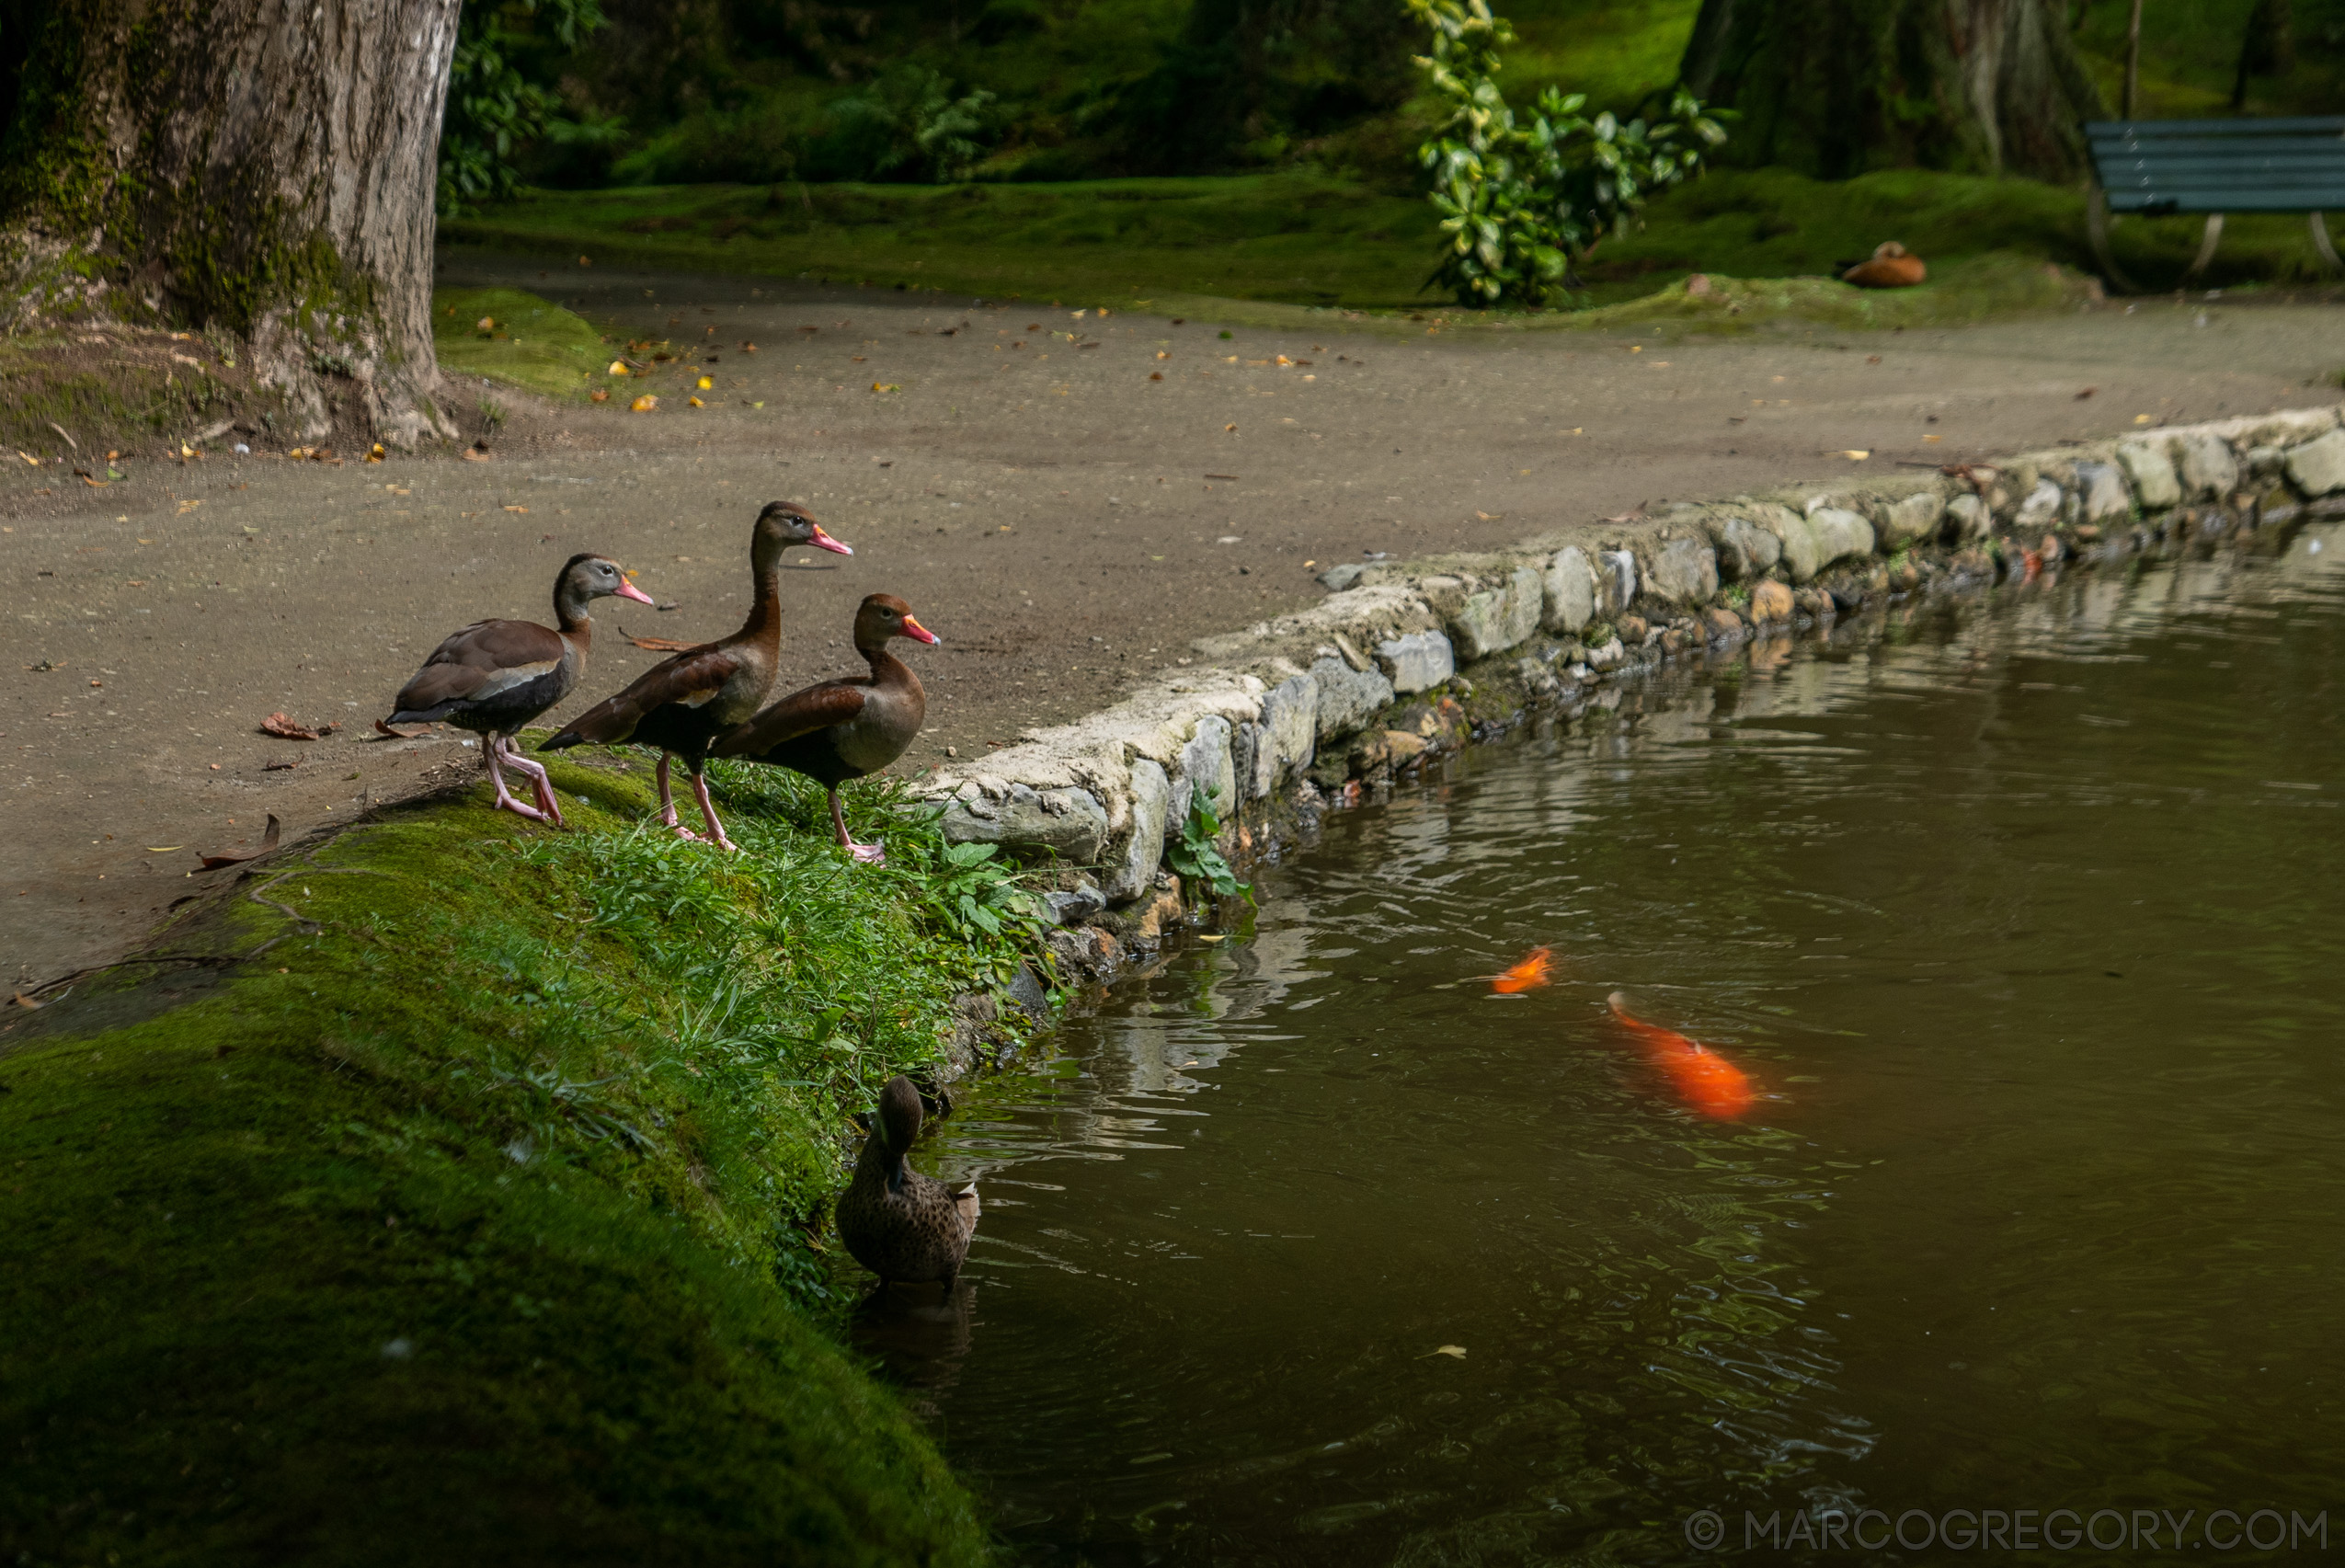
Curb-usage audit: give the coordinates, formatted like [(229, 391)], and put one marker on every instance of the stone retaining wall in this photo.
[(1407, 660)]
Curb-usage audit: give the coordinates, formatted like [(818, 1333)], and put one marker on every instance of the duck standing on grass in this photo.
[(683, 701), (495, 676), (847, 728), (899, 1224)]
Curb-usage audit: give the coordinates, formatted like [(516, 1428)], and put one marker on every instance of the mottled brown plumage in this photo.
[(847, 728), (683, 701), (496, 676), (899, 1223)]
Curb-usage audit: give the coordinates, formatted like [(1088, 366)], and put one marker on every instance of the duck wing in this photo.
[(801, 713), (476, 663), (965, 1209), (687, 680)]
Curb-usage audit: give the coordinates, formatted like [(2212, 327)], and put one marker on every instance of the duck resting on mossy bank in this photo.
[(682, 702), (899, 1224), (847, 728), (496, 676)]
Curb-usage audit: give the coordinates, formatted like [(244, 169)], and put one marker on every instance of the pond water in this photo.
[(2024, 923)]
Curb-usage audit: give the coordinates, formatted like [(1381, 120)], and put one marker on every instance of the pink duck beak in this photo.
[(914, 629), (629, 590), (822, 541)]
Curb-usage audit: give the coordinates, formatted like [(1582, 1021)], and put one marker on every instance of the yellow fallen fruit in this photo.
[(645, 404), (697, 403), (618, 367), (705, 383)]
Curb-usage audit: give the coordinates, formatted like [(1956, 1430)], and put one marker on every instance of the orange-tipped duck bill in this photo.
[(914, 629)]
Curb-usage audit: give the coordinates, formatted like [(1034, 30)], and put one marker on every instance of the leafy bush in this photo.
[(1519, 201), (497, 99)]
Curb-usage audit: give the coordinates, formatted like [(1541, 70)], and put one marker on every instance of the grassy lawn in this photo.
[(528, 341), (1301, 238), (460, 1201)]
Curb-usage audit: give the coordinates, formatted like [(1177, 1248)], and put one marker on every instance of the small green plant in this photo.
[(1518, 202), (492, 413), (500, 95), (1197, 859)]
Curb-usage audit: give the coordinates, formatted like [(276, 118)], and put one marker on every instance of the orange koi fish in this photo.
[(1704, 1080), (1526, 976)]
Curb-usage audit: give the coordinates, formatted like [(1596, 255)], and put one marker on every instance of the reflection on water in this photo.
[(2025, 930)]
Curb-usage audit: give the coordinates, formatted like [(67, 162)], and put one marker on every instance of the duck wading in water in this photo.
[(899, 1224), (495, 676), (685, 701), (847, 728)]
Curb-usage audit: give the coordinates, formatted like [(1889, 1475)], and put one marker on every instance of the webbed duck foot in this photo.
[(868, 855)]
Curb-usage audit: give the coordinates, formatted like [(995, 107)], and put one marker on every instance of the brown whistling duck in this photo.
[(847, 728), (495, 676), (1890, 268), (899, 1223), (683, 701)]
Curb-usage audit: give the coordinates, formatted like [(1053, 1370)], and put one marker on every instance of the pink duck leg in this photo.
[(667, 805), (504, 797), (869, 854), (708, 809), (546, 800)]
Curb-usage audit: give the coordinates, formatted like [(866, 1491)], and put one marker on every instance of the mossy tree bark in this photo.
[(1836, 87), (263, 167)]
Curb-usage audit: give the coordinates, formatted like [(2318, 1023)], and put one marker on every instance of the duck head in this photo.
[(591, 576), (784, 524), (882, 616), (898, 1124)]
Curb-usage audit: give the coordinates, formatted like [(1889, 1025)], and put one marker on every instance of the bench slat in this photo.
[(2118, 129)]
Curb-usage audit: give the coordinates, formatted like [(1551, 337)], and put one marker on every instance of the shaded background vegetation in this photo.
[(916, 91)]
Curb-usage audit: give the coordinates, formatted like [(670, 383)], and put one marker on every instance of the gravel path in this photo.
[(1061, 517)]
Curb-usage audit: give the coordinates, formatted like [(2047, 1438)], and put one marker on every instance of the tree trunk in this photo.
[(1834, 88), (263, 168)]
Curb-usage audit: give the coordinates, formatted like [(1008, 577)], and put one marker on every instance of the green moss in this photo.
[(106, 396), (466, 1214), (535, 343)]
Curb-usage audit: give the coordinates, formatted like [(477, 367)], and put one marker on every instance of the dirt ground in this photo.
[(1064, 519)]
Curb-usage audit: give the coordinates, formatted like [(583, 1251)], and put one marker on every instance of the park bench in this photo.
[(2156, 167)]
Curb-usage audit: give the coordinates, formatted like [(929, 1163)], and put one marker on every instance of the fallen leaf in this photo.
[(21, 1000), (2141, 419), (645, 404), (696, 403), (375, 453), (599, 396), (1872, 358), (267, 842), (164, 849), (281, 765), (186, 507), (659, 645), (1228, 430), (1933, 439), (1857, 454), (886, 386), (1156, 375), (516, 509), (2087, 392), (474, 455), (284, 728), (1458, 1351)]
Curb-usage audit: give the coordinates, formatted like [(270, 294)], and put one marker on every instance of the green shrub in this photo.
[(1517, 202)]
